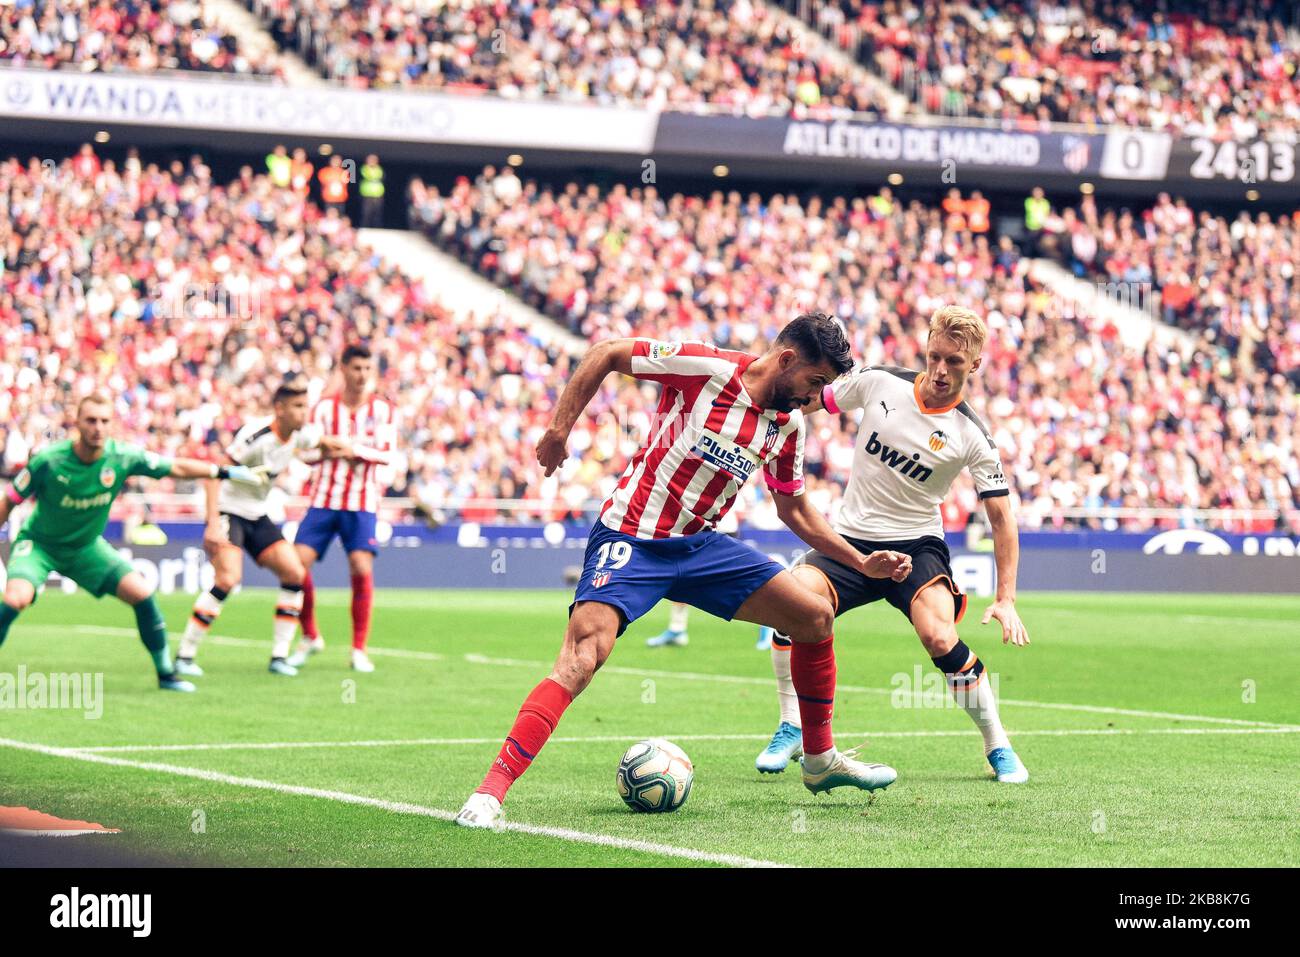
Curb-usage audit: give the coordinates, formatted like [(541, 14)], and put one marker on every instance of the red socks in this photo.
[(812, 669), (538, 717), (363, 597), (308, 618), (363, 594)]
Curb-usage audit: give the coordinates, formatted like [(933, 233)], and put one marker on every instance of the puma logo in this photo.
[(886, 408)]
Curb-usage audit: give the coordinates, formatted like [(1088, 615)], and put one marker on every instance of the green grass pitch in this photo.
[(1158, 730)]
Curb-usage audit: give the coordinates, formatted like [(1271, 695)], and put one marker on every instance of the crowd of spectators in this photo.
[(138, 36), (1217, 68), (1081, 418), (1228, 279), (190, 299), (736, 55)]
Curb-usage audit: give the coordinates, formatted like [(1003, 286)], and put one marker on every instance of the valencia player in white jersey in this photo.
[(723, 417), (915, 436), (237, 522)]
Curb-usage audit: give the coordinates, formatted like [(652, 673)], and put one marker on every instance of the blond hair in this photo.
[(98, 397), (961, 325)]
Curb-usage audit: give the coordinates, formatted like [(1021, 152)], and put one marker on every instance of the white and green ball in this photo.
[(655, 776)]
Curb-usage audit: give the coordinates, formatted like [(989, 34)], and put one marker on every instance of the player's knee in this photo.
[(226, 581), (293, 577), (822, 620), (938, 639), (816, 622), (19, 598)]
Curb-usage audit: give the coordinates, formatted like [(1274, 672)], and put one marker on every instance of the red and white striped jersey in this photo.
[(707, 438), (372, 429)]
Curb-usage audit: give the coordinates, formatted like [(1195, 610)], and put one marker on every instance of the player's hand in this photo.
[(214, 538), (245, 475), (1013, 629), (551, 451), (885, 564)]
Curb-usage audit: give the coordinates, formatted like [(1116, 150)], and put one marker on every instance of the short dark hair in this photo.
[(290, 388), (358, 350), (818, 338)]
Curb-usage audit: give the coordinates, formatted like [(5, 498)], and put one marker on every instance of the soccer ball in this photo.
[(655, 776)]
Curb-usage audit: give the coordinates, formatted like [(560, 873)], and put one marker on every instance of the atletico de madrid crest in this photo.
[(937, 440), (107, 476), (599, 579), (769, 440)]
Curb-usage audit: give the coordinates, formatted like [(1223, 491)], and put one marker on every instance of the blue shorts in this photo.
[(356, 530), (708, 570)]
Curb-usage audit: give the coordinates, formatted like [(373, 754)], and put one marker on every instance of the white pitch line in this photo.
[(620, 738), (396, 807), (738, 679), (859, 689), (233, 642)]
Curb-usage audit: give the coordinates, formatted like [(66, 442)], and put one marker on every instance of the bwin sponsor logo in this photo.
[(911, 467)]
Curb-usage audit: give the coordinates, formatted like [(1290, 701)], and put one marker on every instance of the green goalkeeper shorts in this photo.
[(96, 567)]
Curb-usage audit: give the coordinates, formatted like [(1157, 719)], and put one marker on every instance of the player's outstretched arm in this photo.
[(612, 355), (804, 520), (1006, 555), (197, 468)]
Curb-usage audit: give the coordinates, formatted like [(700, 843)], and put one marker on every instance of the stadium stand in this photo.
[(145, 36), (732, 54), (1215, 69), (1082, 419)]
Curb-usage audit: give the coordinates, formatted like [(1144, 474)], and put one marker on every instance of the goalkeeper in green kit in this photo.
[(74, 483)]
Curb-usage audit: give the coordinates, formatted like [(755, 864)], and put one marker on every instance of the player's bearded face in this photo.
[(798, 384)]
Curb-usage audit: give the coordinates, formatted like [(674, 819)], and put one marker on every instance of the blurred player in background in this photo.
[(915, 437), (722, 417), (345, 496), (237, 522), (74, 483)]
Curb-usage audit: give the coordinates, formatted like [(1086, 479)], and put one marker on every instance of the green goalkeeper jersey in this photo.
[(73, 497)]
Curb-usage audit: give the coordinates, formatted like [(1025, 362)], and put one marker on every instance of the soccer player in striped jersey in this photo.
[(237, 522), (915, 436), (345, 499), (74, 483), (722, 416)]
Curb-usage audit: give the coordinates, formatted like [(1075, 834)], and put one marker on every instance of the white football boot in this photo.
[(361, 661), (306, 648), (481, 810), (844, 770)]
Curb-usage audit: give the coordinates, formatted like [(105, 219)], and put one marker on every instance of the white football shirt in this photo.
[(257, 444), (906, 455)]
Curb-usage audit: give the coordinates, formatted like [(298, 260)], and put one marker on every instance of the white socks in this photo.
[(982, 707), (677, 617), (785, 692), (817, 763), (288, 609), (206, 609)]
